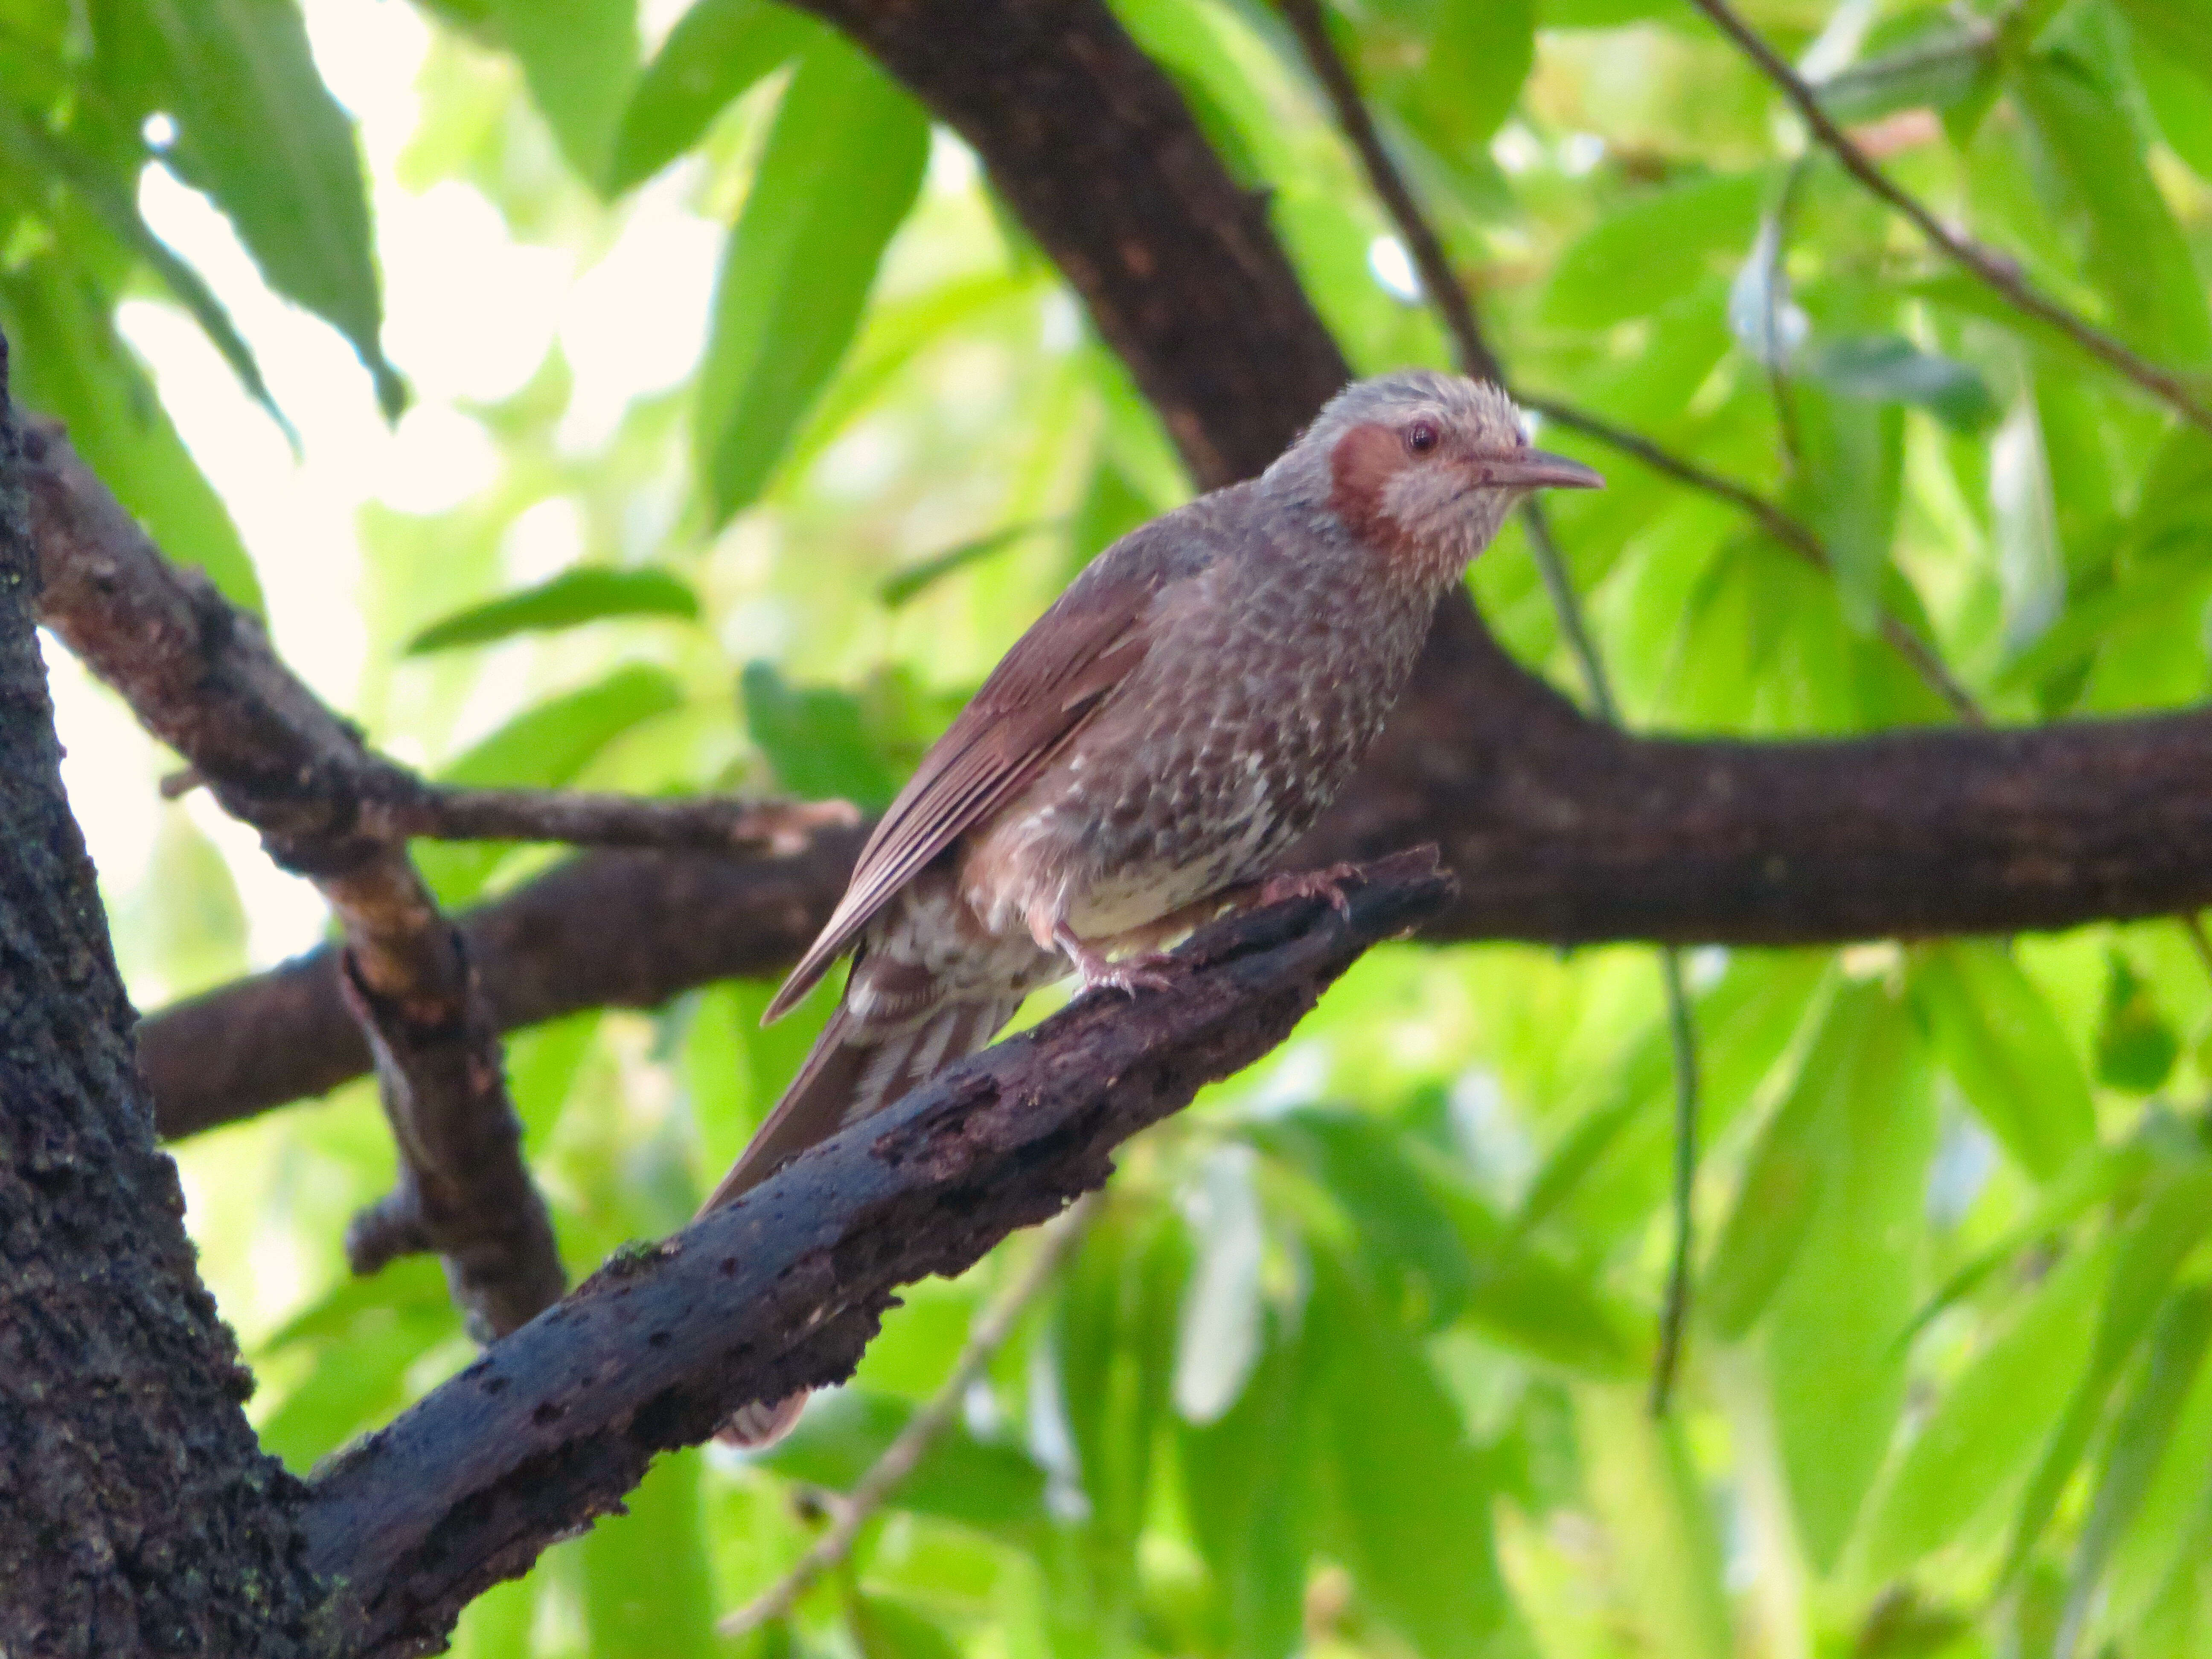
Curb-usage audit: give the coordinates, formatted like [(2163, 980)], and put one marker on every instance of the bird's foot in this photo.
[(1130, 974), (1326, 884)]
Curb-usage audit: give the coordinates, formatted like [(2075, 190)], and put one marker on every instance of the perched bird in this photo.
[(1150, 747)]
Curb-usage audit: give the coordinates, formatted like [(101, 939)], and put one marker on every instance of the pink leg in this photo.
[(1311, 884), (1130, 974)]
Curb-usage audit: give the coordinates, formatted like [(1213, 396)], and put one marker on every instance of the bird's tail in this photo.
[(855, 1069)]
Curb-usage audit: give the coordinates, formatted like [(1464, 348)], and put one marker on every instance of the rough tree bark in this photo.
[(140, 1514)]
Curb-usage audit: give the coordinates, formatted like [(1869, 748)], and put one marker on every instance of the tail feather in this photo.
[(852, 1072)]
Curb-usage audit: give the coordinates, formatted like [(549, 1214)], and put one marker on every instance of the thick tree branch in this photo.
[(1995, 271), (137, 1515), (783, 1289), (200, 675)]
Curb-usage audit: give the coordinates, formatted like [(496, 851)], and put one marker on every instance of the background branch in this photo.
[(782, 1289)]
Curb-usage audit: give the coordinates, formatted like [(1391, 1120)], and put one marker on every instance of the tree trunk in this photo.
[(137, 1512)]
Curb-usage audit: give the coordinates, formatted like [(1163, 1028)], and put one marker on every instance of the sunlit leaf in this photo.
[(1996, 1035), (1646, 1492), (2139, 1436), (843, 163), (716, 50), (260, 133), (1654, 249), (2172, 1217), (573, 597), (2135, 1046), (1220, 1328), (579, 57), (646, 1592)]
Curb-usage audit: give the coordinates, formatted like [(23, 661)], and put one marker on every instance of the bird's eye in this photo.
[(1421, 437)]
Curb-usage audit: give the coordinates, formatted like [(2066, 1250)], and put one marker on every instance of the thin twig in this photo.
[(1450, 297), (1674, 1310), (1993, 268), (904, 1455), (708, 824)]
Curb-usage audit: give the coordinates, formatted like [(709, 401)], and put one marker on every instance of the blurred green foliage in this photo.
[(1352, 1363)]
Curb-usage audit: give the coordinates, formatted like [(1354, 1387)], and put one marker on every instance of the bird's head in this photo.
[(1423, 467)]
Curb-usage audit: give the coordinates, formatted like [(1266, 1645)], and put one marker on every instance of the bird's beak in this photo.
[(1532, 469)]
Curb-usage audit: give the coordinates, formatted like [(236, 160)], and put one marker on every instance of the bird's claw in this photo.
[(1130, 976), (1326, 884)]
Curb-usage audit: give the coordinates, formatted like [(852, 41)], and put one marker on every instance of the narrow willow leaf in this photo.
[(69, 363), (2139, 1436), (33, 149), (814, 738), (716, 50), (1658, 1528), (1833, 1359), (916, 579), (1888, 367), (579, 57), (2172, 1217), (1989, 1419), (259, 133), (1654, 249), (584, 595), (1997, 1036), (1415, 1498), (1852, 481), (2136, 254), (1250, 1484), (842, 167), (648, 1590)]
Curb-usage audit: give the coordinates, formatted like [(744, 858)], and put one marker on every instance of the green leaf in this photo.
[(1644, 1489), (843, 164), (977, 1483), (2135, 252), (903, 585), (588, 594), (2164, 1229), (1415, 1496), (1997, 1036), (2177, 31), (1890, 369), (35, 150), (814, 738), (1250, 1483), (648, 1591), (70, 362), (716, 50), (1983, 1430), (260, 133), (2180, 101), (1833, 1357), (1653, 249), (2139, 1436), (1852, 480), (888, 1627), (2135, 1046), (579, 57), (1799, 1153)]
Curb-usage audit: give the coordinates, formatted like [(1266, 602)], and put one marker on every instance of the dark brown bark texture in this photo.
[(137, 1513), (783, 1289)]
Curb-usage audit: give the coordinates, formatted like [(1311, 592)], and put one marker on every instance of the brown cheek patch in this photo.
[(1365, 459)]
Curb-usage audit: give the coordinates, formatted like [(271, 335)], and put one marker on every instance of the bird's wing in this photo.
[(1039, 696)]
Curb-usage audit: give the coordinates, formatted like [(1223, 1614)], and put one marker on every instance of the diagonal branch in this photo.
[(1996, 272), (782, 1289), (200, 675)]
